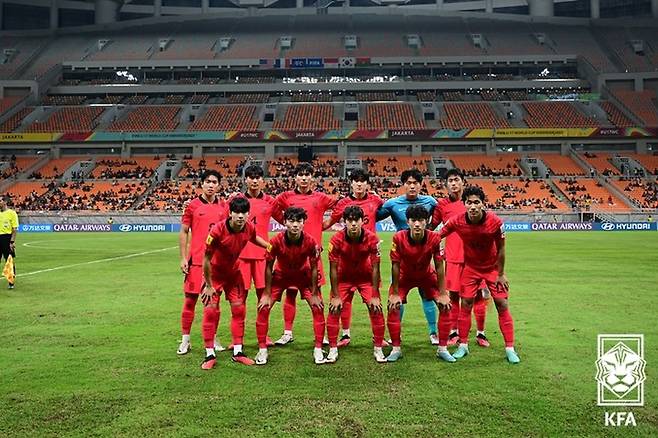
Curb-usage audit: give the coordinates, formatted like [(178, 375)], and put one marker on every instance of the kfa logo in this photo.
[(620, 370)]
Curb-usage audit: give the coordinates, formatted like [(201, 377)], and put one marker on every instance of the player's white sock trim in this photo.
[(210, 351), (442, 348), (237, 348), (186, 339), (346, 332), (480, 332), (396, 350), (454, 331), (461, 344), (510, 349), (287, 332)]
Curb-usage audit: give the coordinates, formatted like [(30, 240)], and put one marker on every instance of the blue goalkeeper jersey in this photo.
[(396, 208)]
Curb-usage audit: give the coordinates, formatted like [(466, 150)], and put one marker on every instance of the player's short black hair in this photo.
[(239, 204), (359, 175), (473, 191), (303, 168), (455, 171), (417, 212), (294, 214), (253, 171), (210, 172), (411, 173), (353, 212)]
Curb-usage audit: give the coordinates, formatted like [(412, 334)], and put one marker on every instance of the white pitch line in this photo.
[(127, 256)]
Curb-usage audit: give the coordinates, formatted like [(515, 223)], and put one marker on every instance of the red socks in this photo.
[(262, 326), (443, 327), (377, 324), (332, 329), (506, 326), (480, 311), (454, 312), (289, 309), (187, 314), (346, 315), (394, 327), (238, 314), (318, 325), (464, 324), (209, 324)]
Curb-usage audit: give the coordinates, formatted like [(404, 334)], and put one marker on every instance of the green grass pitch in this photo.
[(90, 350)]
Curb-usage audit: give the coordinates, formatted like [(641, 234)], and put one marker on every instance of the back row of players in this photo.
[(224, 246)]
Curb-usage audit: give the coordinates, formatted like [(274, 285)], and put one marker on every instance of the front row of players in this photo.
[(292, 260)]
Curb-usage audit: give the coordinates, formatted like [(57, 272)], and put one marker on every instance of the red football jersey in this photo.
[(480, 240), (260, 212), (354, 258), (315, 204), (415, 258), (291, 258), (370, 204), (225, 245), (444, 210), (201, 216)]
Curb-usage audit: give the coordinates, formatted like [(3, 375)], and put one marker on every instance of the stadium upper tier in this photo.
[(61, 114), (342, 44)]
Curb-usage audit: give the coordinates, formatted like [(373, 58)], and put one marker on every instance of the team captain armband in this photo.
[(269, 247)]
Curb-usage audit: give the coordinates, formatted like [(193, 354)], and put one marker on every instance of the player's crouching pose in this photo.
[(296, 254), (354, 264), (484, 261), (412, 252), (221, 273)]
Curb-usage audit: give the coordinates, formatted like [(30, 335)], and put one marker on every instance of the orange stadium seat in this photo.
[(649, 162), (115, 167), (69, 119), (471, 115), (149, 118), (555, 115), (56, 168), (390, 116), (561, 164), (640, 103), (14, 121), (20, 191), (616, 116), (522, 196), (308, 116), (483, 165), (591, 195), (227, 118), (643, 193), (601, 162)]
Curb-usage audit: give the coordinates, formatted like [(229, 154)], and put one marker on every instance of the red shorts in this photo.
[(193, 280), (428, 284), (473, 281), (281, 282), (453, 276), (346, 290), (252, 269), (232, 286)]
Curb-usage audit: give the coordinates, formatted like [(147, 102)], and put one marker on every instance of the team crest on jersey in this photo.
[(269, 247), (209, 239)]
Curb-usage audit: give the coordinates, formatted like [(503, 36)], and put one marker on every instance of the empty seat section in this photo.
[(649, 162), (69, 119), (308, 117), (562, 164), (15, 120), (555, 115), (601, 162), (149, 118), (55, 168), (471, 115), (641, 104), (390, 116), (225, 118), (615, 115)]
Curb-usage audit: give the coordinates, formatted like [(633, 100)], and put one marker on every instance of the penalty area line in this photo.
[(92, 262)]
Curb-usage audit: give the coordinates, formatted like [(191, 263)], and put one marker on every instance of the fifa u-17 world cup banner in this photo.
[(82, 228)]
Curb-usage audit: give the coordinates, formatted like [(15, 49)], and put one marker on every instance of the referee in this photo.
[(8, 228)]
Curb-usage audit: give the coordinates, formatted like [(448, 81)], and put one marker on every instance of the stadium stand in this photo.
[(523, 195), (555, 115), (561, 165), (59, 99), (187, 46), (586, 194), (126, 47), (376, 96), (643, 193), (281, 166), (132, 168), (15, 120), (390, 116), (308, 116), (58, 50), (649, 162), (24, 49), (149, 118), (97, 195), (17, 165), (641, 104), (311, 97), (249, 98), (392, 166), (615, 115), (485, 166), (68, 119), (8, 102), (471, 115), (600, 161), (24, 195), (225, 117), (55, 168)]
